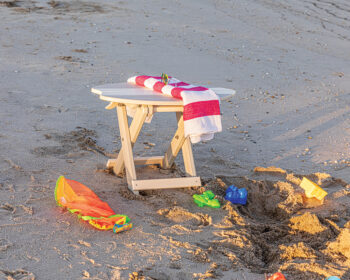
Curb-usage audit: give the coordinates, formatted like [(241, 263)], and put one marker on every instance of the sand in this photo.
[(288, 62)]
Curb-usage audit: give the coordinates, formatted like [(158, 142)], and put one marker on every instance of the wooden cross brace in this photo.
[(126, 160)]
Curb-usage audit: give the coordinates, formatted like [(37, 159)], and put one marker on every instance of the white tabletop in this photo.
[(131, 94)]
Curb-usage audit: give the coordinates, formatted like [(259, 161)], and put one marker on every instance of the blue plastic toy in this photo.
[(332, 278), (236, 195)]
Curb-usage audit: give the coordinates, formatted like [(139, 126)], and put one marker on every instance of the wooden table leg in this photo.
[(135, 128), (125, 158), (187, 153), (126, 145), (175, 145)]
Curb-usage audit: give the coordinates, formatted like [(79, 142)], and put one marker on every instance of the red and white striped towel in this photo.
[(201, 105)]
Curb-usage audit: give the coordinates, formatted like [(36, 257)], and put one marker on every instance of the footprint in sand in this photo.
[(4, 245), (18, 274), (183, 218)]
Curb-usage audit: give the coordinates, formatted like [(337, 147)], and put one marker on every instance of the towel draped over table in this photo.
[(201, 113)]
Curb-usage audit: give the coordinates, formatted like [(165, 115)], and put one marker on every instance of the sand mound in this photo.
[(274, 231), (296, 251), (182, 216), (340, 246), (308, 223)]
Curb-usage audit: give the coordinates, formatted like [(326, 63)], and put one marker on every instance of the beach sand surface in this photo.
[(289, 63)]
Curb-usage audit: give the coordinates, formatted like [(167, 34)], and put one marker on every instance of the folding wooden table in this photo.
[(147, 102)]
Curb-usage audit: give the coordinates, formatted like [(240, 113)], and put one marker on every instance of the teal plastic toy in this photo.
[(206, 199), (332, 278)]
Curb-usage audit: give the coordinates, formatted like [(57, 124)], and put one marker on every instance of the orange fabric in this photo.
[(80, 200)]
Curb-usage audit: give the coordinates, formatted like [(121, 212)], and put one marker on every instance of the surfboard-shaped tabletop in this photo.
[(132, 94)]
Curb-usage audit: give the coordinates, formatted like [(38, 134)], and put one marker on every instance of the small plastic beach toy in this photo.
[(236, 195), (121, 227), (332, 278), (276, 276), (206, 199), (165, 78), (312, 189)]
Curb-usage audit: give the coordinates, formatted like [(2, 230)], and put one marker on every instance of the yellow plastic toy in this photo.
[(312, 189)]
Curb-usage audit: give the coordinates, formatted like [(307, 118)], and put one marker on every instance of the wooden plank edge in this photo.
[(169, 183), (111, 163), (139, 161), (96, 91), (164, 109), (149, 160)]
